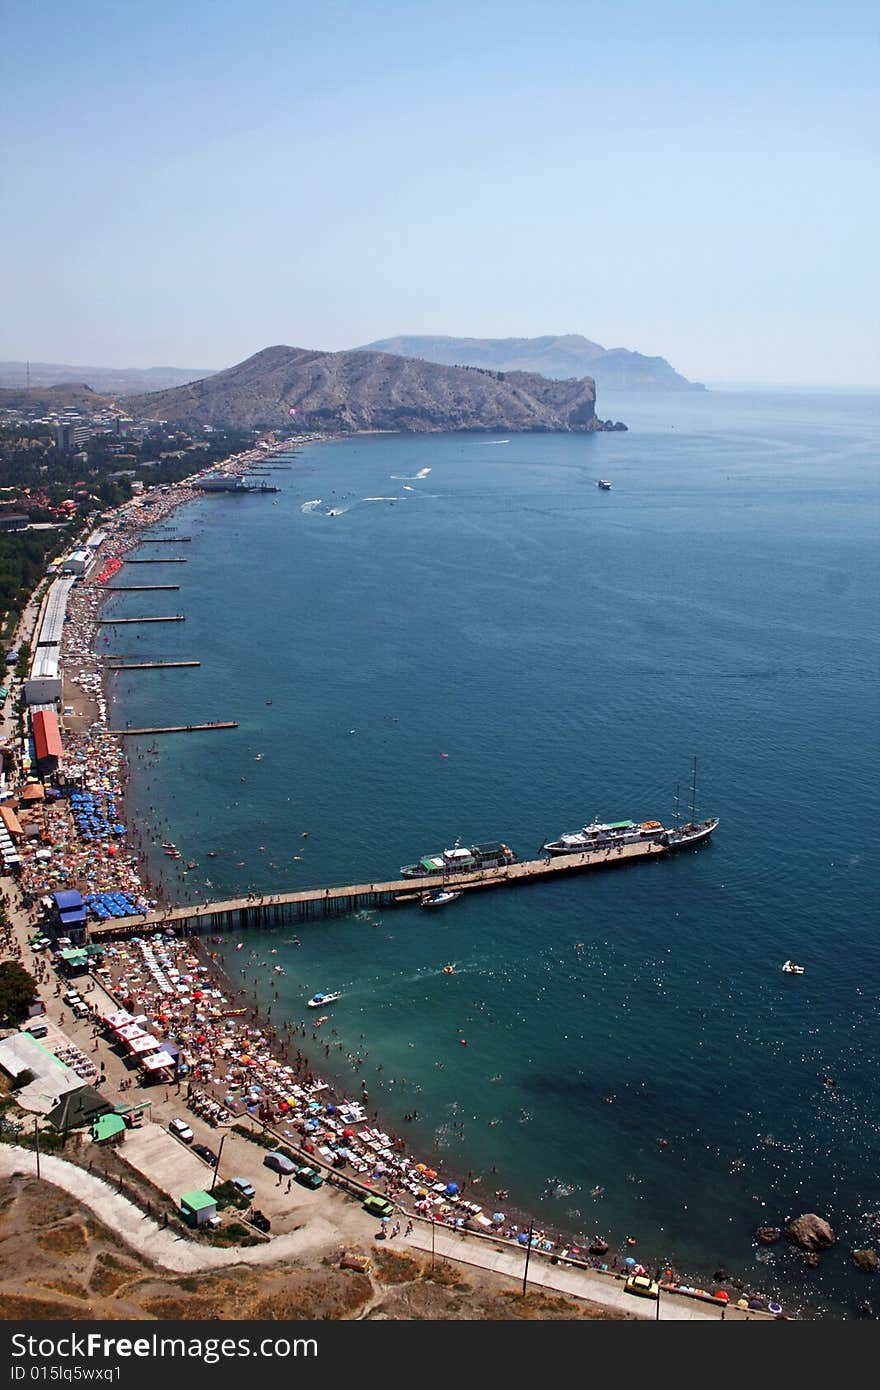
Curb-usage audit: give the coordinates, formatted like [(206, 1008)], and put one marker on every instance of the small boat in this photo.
[(440, 898), (449, 970), (318, 1001), (789, 968), (604, 485)]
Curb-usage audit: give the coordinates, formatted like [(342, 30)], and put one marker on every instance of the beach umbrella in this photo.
[(523, 1238), (629, 1261), (742, 1303), (774, 1308), (757, 1303), (499, 1218), (348, 1133), (452, 1189), (721, 1295)]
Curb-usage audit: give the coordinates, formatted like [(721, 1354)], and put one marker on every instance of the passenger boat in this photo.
[(789, 968), (439, 899), (318, 1001), (491, 855), (604, 484), (604, 835)]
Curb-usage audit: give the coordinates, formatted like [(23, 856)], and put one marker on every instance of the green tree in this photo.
[(18, 990)]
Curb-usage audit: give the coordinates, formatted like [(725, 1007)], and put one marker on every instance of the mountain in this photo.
[(570, 355), (348, 391), (111, 381)]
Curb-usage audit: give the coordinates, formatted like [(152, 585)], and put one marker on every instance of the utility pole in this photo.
[(217, 1164), (433, 1226), (528, 1253), (37, 1144)]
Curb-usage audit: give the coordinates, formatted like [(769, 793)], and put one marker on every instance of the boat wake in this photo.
[(308, 507), (410, 477)]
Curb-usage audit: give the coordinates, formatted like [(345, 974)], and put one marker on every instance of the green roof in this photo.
[(620, 824), (74, 955), (106, 1126), (197, 1201)]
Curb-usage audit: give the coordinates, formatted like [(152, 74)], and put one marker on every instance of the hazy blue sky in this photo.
[(186, 182)]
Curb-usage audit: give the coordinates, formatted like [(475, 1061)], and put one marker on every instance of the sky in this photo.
[(185, 182)]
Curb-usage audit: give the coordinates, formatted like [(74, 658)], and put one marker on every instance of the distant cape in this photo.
[(351, 391), (559, 357)]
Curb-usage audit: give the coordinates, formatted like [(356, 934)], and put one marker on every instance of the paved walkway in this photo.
[(173, 1252)]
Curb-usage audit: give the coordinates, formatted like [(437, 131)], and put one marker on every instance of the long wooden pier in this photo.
[(177, 728), (236, 914), (158, 560), (137, 588), (151, 665), (169, 618), (165, 540)]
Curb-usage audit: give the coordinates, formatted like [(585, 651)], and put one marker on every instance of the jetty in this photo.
[(236, 914), (151, 665), (176, 728), (137, 588), (158, 560), (115, 622), (165, 540)]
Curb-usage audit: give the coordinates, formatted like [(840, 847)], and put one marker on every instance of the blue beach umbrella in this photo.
[(451, 1189), (499, 1218), (629, 1260)]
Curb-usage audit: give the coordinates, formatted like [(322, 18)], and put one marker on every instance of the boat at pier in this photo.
[(491, 855), (440, 898), (599, 835)]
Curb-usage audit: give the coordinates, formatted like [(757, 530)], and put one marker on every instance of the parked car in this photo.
[(642, 1284), (280, 1163), (207, 1154), (181, 1130), (309, 1177), (246, 1188), (261, 1222), (378, 1206)]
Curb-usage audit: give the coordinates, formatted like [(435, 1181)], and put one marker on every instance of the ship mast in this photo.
[(677, 815), (694, 794)]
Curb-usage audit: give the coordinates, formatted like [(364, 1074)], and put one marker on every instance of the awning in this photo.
[(157, 1061)]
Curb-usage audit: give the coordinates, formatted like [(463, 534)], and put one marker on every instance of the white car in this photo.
[(181, 1130)]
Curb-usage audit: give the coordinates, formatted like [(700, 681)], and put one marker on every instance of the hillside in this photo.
[(66, 395), (113, 381), (349, 391), (568, 355)]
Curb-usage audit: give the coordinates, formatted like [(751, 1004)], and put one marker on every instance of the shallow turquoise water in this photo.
[(567, 650)]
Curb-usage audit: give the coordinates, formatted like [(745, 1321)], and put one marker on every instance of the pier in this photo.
[(151, 665), (137, 588), (158, 560), (165, 540), (236, 914), (115, 622), (176, 728)]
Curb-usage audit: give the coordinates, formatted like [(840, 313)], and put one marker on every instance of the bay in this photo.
[(426, 639)]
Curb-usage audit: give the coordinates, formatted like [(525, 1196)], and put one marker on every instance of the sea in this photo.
[(443, 639)]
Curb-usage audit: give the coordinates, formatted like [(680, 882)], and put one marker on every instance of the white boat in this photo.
[(318, 1001), (604, 485), (789, 968), (439, 899)]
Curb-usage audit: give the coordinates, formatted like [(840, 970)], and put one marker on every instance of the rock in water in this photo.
[(868, 1260), (810, 1232), (767, 1235)]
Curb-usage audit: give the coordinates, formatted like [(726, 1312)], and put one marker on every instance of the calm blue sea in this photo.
[(462, 637)]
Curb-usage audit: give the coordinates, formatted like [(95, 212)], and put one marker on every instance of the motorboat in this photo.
[(789, 968), (440, 898), (318, 1001), (604, 485)]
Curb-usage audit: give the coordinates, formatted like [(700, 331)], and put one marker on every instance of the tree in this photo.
[(18, 990)]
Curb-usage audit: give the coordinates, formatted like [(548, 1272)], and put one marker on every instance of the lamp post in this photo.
[(528, 1253), (217, 1164), (37, 1144), (433, 1227)]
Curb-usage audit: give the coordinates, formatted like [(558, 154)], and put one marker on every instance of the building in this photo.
[(68, 916), (47, 742), (197, 1208), (14, 521), (71, 437), (77, 563)]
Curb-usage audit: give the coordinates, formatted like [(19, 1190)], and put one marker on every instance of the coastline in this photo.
[(126, 535)]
